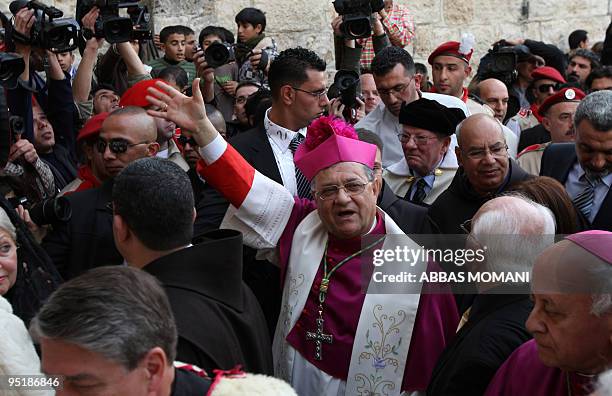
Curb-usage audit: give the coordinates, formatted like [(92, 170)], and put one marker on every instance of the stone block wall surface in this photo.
[(307, 22)]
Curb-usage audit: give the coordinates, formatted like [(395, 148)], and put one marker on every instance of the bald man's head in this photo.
[(495, 94), (127, 134), (482, 153)]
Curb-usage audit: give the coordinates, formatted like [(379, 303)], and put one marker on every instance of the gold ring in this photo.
[(165, 108)]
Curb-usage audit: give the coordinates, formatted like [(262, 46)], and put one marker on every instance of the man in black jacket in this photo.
[(86, 240), (494, 326), (219, 321), (485, 170)]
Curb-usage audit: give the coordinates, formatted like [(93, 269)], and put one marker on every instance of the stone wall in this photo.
[(306, 22)]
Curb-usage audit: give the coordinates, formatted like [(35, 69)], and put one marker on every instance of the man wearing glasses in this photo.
[(396, 82), (297, 82), (485, 170), (320, 345), (86, 240), (429, 162)]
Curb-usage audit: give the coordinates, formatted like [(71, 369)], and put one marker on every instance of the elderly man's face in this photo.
[(568, 335), (369, 92), (559, 121), (343, 215), (483, 154), (423, 149), (396, 87), (594, 148), (89, 373), (496, 97)]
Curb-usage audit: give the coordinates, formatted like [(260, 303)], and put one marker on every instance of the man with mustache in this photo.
[(558, 120), (485, 170), (584, 167)]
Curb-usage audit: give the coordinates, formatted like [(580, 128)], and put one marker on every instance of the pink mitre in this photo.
[(330, 140), (598, 243)]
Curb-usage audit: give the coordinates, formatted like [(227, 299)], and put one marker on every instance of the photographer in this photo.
[(43, 115), (252, 42), (104, 98), (218, 85), (398, 24)]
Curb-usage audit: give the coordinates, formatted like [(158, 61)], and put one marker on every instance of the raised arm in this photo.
[(81, 86)]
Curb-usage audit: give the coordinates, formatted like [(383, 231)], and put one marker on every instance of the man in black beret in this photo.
[(429, 162)]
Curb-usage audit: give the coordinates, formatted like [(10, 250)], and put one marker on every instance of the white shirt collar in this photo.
[(281, 136)]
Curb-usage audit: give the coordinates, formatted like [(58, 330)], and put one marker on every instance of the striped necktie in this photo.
[(303, 185), (584, 200), (419, 195)]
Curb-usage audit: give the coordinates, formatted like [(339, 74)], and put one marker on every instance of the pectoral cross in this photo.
[(319, 338)]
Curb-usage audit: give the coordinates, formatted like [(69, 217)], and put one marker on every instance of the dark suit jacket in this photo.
[(533, 135), (86, 240), (411, 218), (557, 162), (496, 327), (220, 323), (262, 277)]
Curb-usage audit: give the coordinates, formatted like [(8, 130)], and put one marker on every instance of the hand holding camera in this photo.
[(22, 147)]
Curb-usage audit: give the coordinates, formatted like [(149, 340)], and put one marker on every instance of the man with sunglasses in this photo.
[(86, 240), (546, 82), (558, 120), (485, 170), (397, 83)]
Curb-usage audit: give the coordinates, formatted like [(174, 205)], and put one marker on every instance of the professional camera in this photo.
[(11, 67), (345, 87), (218, 54), (49, 31), (356, 16), (49, 211), (115, 28), (500, 63)]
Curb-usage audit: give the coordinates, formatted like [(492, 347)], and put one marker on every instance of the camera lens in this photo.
[(359, 28)]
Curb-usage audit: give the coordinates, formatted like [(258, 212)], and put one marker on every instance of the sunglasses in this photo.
[(116, 146), (544, 88), (183, 140)]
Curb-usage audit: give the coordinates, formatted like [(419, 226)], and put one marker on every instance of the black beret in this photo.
[(432, 116)]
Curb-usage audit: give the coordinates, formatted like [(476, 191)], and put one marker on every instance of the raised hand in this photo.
[(186, 112)]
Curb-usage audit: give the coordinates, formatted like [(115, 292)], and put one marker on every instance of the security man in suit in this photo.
[(585, 167)]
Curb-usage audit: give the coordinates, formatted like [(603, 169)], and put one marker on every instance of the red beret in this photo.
[(450, 48), (135, 95), (564, 95), (92, 127), (549, 73)]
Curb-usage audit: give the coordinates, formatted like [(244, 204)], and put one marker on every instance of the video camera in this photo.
[(115, 28), (11, 67), (499, 63), (49, 31), (219, 53), (356, 16), (345, 87)]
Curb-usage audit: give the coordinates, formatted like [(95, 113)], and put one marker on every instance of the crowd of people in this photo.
[(200, 214)]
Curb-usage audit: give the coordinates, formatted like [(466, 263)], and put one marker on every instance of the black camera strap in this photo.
[(19, 37)]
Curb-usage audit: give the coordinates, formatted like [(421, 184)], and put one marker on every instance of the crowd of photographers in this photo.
[(68, 130)]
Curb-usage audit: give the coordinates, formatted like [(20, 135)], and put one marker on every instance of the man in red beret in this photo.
[(92, 172), (135, 96), (558, 120), (450, 64), (546, 82)]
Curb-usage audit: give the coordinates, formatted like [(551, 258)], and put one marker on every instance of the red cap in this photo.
[(450, 48), (564, 95), (547, 72), (92, 127), (135, 95)]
